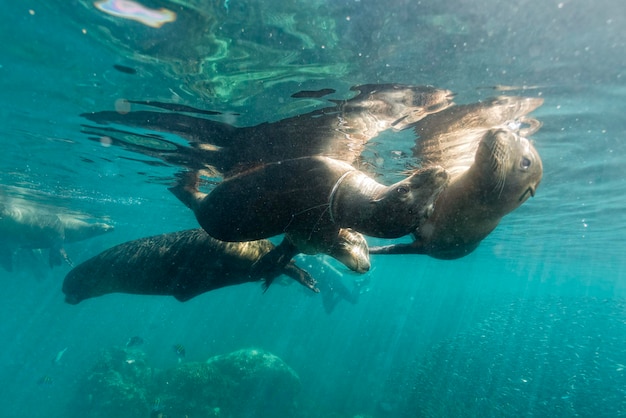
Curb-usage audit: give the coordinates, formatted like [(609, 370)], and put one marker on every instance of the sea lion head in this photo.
[(404, 205), (510, 168), (78, 287), (351, 249)]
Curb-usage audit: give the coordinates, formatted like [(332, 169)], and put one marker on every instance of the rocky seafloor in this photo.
[(245, 383)]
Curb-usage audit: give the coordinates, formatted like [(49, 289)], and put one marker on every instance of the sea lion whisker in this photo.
[(500, 179), (498, 154)]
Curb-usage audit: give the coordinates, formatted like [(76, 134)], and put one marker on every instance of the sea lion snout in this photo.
[(351, 249), (434, 176), (72, 300)]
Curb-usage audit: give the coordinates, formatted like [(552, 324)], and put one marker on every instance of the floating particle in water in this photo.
[(122, 106), (128, 9)]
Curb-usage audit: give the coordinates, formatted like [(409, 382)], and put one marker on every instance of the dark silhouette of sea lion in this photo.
[(30, 227), (182, 264), (493, 171)]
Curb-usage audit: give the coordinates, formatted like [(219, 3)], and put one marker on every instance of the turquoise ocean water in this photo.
[(533, 323)]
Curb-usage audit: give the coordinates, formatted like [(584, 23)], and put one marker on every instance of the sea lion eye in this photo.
[(525, 163), (402, 190)]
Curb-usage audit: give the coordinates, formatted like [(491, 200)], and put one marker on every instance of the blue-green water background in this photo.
[(532, 323)]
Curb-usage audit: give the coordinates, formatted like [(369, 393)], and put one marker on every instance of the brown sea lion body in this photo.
[(182, 264), (309, 194), (493, 171)]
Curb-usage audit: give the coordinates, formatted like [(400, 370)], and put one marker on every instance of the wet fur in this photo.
[(477, 198), (181, 264)]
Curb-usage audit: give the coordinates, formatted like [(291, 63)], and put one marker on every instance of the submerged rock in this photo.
[(117, 386), (245, 383), (262, 382)]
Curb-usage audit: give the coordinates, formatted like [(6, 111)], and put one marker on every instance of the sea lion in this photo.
[(493, 169), (26, 227), (506, 171), (451, 137), (309, 193), (77, 229), (310, 199), (31, 227), (340, 130), (182, 264)]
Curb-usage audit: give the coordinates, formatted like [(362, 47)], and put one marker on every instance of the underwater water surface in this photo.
[(532, 323)]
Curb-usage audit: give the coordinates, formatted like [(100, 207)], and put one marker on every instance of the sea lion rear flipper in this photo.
[(301, 276)]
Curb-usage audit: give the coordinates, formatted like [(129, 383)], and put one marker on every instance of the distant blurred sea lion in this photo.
[(181, 264), (493, 171), (30, 227), (77, 229)]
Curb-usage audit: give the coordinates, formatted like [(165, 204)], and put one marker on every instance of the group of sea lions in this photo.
[(306, 177)]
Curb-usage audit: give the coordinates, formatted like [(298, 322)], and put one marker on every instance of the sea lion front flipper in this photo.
[(58, 255), (186, 189), (272, 264), (301, 276)]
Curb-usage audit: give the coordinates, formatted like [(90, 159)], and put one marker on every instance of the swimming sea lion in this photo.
[(506, 171), (181, 264), (306, 194), (451, 137), (26, 227), (493, 170), (310, 199), (30, 227), (77, 229)]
